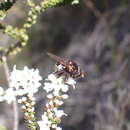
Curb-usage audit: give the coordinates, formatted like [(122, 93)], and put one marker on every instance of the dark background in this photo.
[(95, 34)]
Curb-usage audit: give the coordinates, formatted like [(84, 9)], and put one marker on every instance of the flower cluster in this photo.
[(28, 104), (56, 87), (25, 81), (23, 84)]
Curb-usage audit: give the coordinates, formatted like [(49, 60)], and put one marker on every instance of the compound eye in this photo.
[(72, 63)]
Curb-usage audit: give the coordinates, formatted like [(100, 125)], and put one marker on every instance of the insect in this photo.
[(67, 68)]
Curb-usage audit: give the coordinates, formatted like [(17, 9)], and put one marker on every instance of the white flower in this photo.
[(55, 84), (25, 81), (58, 84), (52, 77), (51, 83), (65, 88), (59, 67), (49, 96), (1, 99), (1, 91), (44, 124), (48, 87), (58, 102), (71, 82), (54, 126), (9, 95), (58, 128), (59, 113), (65, 96)]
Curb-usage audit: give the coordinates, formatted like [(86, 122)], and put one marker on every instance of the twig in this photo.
[(16, 119), (91, 6), (15, 106), (6, 69)]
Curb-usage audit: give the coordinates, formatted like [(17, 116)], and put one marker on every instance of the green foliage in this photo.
[(2, 127), (2, 14), (69, 2), (21, 34), (6, 5)]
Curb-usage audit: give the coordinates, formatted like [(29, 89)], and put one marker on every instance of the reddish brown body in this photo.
[(70, 68)]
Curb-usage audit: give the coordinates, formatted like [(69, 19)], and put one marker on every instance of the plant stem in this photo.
[(15, 105)]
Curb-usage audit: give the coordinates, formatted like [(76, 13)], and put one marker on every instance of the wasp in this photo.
[(67, 68)]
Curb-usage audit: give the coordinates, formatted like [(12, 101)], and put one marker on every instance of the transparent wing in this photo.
[(56, 58)]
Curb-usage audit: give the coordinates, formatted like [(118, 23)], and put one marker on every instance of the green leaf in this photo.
[(6, 5)]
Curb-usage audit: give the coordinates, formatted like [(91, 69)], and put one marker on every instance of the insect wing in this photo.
[(56, 58)]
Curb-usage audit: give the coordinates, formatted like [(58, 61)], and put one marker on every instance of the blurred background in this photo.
[(95, 34)]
